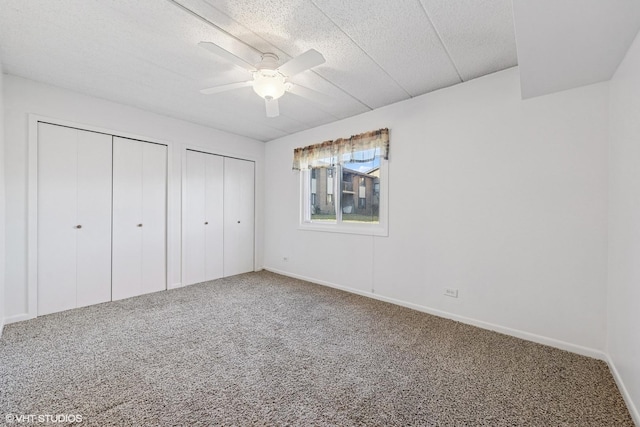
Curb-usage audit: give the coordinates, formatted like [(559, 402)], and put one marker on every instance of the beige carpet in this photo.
[(263, 349)]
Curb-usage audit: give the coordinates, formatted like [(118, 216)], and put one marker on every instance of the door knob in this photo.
[(78, 226), (139, 225)]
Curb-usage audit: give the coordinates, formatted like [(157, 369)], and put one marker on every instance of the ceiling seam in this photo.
[(341, 90), (444, 46), (205, 20), (313, 2), (222, 30)]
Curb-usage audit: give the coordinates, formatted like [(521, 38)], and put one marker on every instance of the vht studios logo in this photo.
[(43, 418)]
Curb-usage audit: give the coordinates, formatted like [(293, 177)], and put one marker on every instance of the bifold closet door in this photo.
[(238, 216), (139, 217), (203, 250), (74, 218)]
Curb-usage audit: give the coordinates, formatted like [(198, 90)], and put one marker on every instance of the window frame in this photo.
[(380, 228)]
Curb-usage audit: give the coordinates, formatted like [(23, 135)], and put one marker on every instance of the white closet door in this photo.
[(57, 218), (127, 217), (238, 216), (154, 217), (139, 217), (194, 218), (94, 214), (203, 250), (214, 216), (74, 218)]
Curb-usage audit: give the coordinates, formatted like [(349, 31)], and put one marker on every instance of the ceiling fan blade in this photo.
[(311, 94), (300, 63), (225, 54), (224, 88), (273, 110)]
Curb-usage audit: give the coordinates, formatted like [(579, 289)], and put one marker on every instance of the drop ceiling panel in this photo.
[(244, 105), (479, 35), (399, 37)]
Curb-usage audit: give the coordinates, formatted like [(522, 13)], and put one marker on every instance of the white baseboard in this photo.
[(633, 410), (26, 316), (18, 318), (552, 342)]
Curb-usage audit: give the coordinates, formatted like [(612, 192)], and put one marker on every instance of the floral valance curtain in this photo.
[(358, 148)]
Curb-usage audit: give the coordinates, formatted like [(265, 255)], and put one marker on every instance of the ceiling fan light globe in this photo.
[(269, 84)]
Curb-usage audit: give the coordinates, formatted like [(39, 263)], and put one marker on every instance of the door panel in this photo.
[(214, 216), (238, 216), (57, 218), (154, 217), (127, 215), (94, 213), (194, 218)]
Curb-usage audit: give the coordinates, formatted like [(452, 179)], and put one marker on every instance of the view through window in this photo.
[(357, 184)]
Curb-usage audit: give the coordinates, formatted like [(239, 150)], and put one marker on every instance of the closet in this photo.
[(74, 218), (218, 214), (102, 218)]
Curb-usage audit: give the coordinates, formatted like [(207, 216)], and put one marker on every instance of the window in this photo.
[(357, 173)]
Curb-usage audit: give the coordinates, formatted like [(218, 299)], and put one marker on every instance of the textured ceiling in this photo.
[(145, 53)]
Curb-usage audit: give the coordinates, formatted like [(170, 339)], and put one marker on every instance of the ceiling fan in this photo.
[(271, 81)]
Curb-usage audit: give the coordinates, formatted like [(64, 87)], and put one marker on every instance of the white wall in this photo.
[(500, 198), (2, 204), (623, 299), (22, 97)]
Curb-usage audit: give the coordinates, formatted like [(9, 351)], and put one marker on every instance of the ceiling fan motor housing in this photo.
[(268, 82)]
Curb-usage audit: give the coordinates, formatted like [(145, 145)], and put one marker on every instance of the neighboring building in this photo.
[(360, 192), (322, 191)]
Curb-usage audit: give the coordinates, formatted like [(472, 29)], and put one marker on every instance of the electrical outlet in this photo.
[(453, 293)]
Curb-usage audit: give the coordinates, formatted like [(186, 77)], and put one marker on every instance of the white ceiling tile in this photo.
[(478, 34), (399, 37), (302, 111)]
